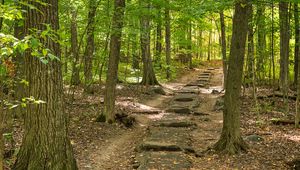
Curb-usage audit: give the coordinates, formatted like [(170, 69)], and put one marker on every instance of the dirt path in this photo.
[(119, 151)]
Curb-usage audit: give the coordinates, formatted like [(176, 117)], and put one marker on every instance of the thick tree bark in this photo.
[(284, 50), (231, 141), (297, 42), (114, 56), (75, 79), (223, 42), (149, 77), (90, 46), (168, 39), (45, 143)]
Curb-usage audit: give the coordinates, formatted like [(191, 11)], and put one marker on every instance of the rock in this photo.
[(159, 146), (164, 160), (219, 104), (200, 114), (127, 121), (254, 138), (177, 124), (182, 110), (214, 91), (155, 90)]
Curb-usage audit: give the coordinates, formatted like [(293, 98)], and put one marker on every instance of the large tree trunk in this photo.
[(223, 42), (114, 56), (297, 42), (149, 77), (231, 141), (45, 143), (75, 79), (284, 50), (168, 39), (90, 46)]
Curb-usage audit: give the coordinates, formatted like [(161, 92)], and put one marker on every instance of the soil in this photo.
[(105, 146)]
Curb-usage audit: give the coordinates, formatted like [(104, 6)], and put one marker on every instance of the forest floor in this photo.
[(103, 146)]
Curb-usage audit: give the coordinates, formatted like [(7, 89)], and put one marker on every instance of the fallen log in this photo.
[(282, 122), (277, 95)]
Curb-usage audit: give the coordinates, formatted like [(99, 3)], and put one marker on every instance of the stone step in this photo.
[(163, 160), (175, 123), (203, 77)]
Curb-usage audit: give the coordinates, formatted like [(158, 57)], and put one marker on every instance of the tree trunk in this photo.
[(159, 38), (297, 55), (19, 68), (168, 39), (231, 141), (189, 47), (284, 50), (261, 44), (223, 42), (90, 46), (250, 57), (75, 79), (297, 42), (1, 129), (114, 56), (209, 44), (1, 19), (149, 77), (46, 144)]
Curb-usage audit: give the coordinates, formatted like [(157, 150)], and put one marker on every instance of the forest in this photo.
[(149, 84)]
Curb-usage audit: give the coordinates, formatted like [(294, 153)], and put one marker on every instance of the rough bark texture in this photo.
[(90, 46), (284, 49), (114, 56), (231, 141), (45, 143), (149, 77), (168, 39), (297, 42), (75, 80), (223, 42)]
